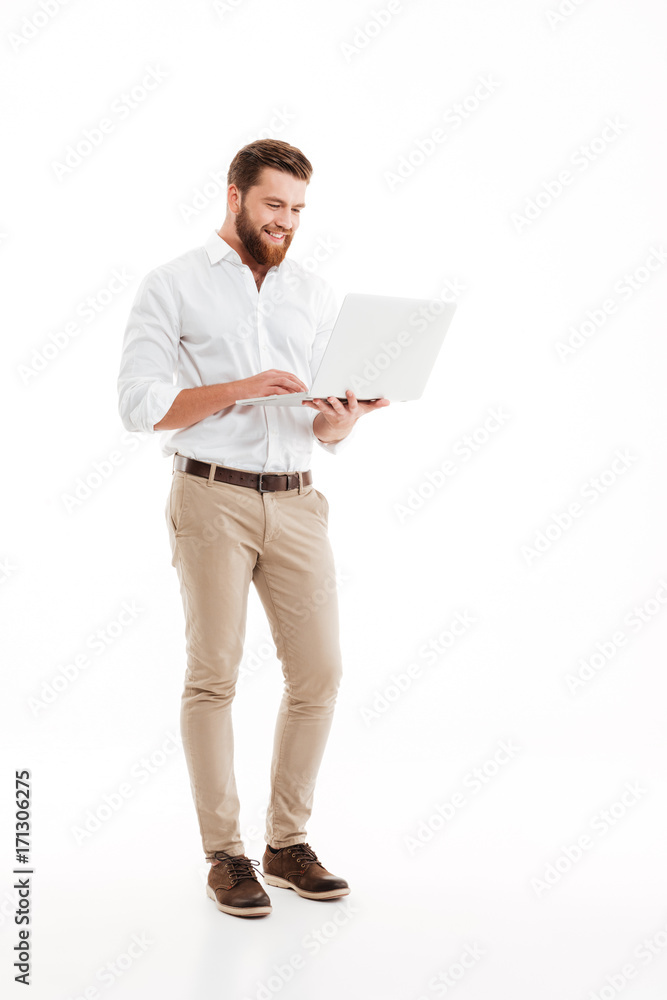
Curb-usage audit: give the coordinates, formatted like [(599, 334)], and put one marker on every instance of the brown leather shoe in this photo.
[(234, 887), (297, 867)]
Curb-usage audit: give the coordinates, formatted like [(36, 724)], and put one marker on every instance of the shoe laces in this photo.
[(238, 867), (303, 853)]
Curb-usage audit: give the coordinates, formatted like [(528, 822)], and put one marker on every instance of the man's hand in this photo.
[(341, 417), (272, 382)]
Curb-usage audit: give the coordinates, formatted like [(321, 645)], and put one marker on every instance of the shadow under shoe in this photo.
[(234, 887), (298, 867)]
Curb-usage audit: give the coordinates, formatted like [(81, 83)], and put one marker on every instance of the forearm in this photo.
[(325, 432), (192, 405)]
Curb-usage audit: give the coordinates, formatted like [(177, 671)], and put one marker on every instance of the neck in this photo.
[(259, 270)]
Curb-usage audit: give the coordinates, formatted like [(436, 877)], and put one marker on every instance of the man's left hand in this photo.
[(343, 416)]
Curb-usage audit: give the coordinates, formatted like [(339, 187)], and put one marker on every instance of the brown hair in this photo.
[(246, 167)]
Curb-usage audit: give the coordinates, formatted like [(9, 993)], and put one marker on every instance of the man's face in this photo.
[(272, 206)]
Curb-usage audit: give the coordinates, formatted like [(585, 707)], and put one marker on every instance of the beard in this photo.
[(257, 245)]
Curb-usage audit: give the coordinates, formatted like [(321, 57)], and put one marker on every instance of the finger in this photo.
[(352, 402), (292, 379), (281, 388)]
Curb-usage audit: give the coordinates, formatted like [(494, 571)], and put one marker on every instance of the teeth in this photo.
[(279, 235)]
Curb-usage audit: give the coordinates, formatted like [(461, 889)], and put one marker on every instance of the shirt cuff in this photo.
[(333, 447), (154, 405)]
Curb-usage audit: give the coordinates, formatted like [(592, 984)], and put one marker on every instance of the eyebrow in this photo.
[(271, 197)]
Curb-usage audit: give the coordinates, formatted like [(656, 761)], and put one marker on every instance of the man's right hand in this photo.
[(272, 382), (193, 405)]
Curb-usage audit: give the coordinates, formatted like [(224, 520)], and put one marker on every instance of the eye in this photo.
[(271, 205)]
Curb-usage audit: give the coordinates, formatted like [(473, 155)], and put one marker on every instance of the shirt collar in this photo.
[(217, 249)]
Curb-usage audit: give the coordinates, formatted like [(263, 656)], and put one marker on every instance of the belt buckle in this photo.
[(259, 484)]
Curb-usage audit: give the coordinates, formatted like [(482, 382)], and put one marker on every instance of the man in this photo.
[(234, 319)]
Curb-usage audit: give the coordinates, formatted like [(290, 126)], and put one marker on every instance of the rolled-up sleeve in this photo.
[(149, 355), (329, 311)]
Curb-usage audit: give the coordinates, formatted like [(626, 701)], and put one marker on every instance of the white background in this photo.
[(360, 101)]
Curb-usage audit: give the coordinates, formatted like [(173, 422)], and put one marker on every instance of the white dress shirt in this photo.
[(200, 320)]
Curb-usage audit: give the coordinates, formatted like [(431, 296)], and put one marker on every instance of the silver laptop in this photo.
[(380, 346)]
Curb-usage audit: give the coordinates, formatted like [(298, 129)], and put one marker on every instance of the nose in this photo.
[(283, 219)]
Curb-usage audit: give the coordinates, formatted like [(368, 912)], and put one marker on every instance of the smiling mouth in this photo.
[(275, 237)]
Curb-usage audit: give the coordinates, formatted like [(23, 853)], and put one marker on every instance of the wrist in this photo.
[(229, 393), (325, 433)]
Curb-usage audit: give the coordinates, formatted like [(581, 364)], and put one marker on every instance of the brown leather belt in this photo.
[(265, 482)]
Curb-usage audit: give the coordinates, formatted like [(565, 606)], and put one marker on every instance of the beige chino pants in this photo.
[(223, 537)]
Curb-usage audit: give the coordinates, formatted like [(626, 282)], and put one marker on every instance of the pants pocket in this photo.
[(176, 500), (324, 502)]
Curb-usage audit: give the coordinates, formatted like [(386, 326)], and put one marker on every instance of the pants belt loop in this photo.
[(211, 473), (300, 475)]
